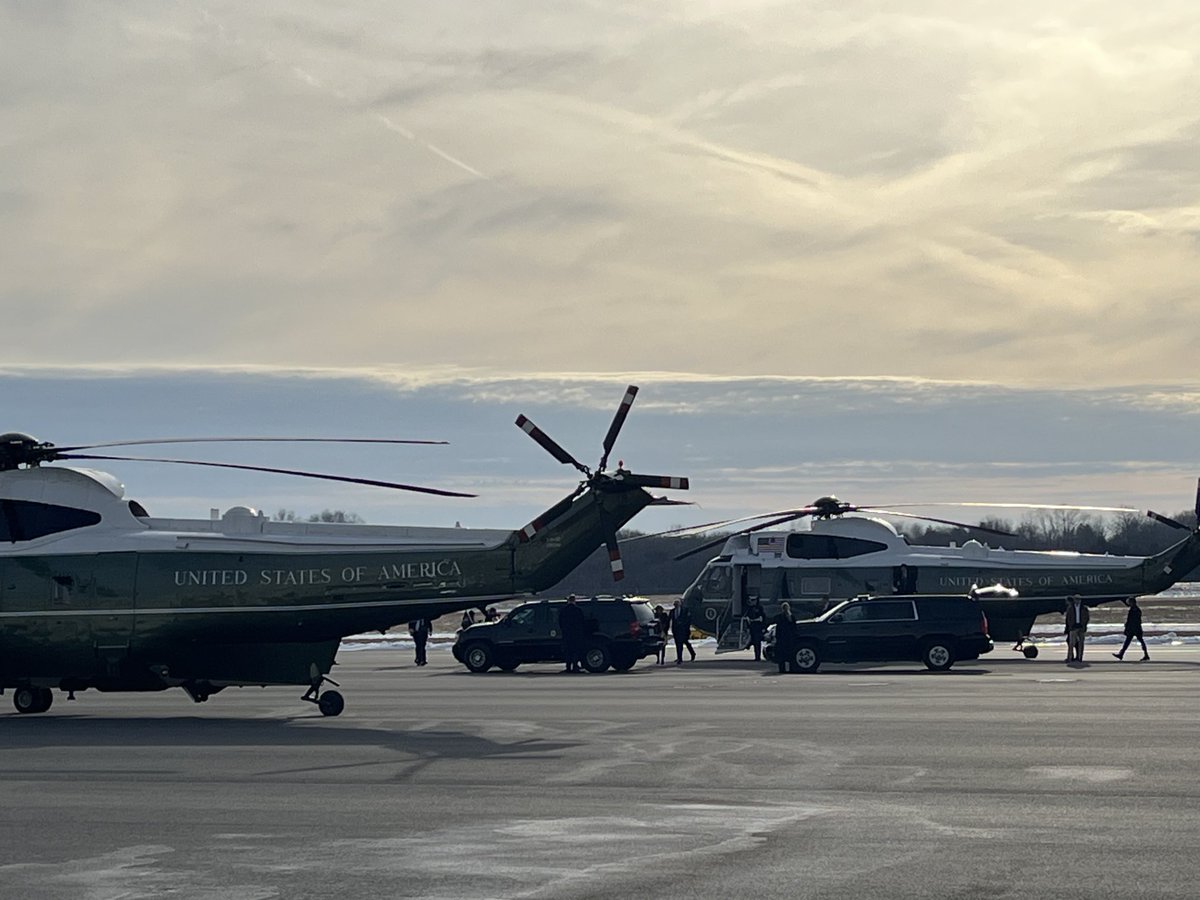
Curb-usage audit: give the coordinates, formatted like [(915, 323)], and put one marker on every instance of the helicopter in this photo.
[(843, 556), (97, 594)]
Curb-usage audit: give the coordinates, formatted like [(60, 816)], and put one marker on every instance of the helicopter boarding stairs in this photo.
[(732, 630)]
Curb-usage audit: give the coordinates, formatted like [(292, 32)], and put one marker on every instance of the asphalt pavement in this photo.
[(717, 778)]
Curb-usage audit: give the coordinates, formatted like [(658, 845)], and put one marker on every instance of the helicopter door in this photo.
[(749, 587), (67, 615), (732, 631)]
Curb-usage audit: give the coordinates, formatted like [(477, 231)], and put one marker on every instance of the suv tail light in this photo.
[(983, 616)]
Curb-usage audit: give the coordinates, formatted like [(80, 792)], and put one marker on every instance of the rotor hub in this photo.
[(824, 507), (18, 449)]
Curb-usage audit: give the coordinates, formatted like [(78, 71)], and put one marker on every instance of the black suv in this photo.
[(936, 630), (620, 633)]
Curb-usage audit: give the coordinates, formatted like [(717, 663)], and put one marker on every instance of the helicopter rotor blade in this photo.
[(614, 558), (236, 440), (672, 482), (689, 530), (301, 474), (1166, 520), (721, 540), (892, 512), (665, 501), (618, 420), (550, 445), (1052, 506)]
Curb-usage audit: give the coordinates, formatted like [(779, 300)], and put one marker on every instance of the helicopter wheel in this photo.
[(1030, 651), (331, 703), (32, 699)]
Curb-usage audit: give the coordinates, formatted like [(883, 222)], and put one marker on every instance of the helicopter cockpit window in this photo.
[(718, 583), (24, 520), (825, 546)]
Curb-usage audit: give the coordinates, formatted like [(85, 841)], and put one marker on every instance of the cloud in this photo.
[(747, 444), (743, 189)]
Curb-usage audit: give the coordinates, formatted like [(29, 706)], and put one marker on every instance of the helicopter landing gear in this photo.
[(330, 703), (32, 699), (1026, 647), (200, 691)]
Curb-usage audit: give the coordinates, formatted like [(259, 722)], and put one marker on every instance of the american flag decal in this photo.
[(772, 543)]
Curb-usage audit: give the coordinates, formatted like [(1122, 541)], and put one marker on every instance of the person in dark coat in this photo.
[(681, 630), (572, 627), (756, 621), (663, 623), (1133, 629), (1075, 628), (420, 629), (785, 639)]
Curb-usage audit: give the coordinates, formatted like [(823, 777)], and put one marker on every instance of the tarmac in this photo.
[(1002, 778)]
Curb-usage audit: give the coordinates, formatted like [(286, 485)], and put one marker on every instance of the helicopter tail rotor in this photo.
[(550, 445), (599, 481), (618, 421), (614, 558)]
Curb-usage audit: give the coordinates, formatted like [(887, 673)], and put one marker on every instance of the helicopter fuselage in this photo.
[(847, 556), (94, 593)]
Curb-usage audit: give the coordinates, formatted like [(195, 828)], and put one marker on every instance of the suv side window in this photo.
[(523, 616), (946, 608), (889, 611), (853, 612)]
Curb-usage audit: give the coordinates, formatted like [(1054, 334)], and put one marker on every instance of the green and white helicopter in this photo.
[(96, 593), (843, 556)]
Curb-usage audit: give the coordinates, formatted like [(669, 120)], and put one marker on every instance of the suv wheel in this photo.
[(623, 662), (806, 659), (478, 657), (596, 658), (938, 655)]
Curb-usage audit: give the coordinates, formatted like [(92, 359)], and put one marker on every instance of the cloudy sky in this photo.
[(876, 249)]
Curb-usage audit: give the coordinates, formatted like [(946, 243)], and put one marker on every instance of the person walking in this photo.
[(1133, 629), (663, 623), (571, 627), (785, 639), (1075, 628), (681, 630), (756, 621), (420, 629)]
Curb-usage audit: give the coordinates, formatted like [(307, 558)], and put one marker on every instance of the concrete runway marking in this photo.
[(1090, 774)]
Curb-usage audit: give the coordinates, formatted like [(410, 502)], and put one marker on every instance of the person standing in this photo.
[(662, 620), (571, 629), (785, 639), (419, 629), (681, 630), (1076, 628), (756, 621), (1133, 629)]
